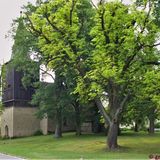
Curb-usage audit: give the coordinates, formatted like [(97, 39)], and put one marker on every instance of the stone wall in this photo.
[(7, 122), (44, 126), (86, 127), (25, 122), (19, 122), (22, 121)]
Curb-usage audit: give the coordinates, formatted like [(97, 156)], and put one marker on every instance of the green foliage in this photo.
[(64, 38), (155, 12), (152, 89), (157, 125), (21, 37), (38, 133), (3, 76), (49, 98), (119, 53), (1, 107), (21, 54)]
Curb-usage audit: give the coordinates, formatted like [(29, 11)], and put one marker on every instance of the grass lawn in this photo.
[(134, 146)]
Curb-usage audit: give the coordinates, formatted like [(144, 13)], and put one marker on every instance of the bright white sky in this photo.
[(9, 10)]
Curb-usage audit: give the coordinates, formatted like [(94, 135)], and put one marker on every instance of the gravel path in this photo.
[(8, 157)]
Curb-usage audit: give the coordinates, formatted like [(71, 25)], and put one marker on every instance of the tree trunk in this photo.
[(116, 104), (136, 127), (112, 136), (58, 129), (112, 123), (119, 130), (151, 125), (151, 118), (78, 120)]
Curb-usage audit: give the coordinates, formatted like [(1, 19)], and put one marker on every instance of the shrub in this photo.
[(38, 133)]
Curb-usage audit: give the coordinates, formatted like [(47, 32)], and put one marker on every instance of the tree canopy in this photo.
[(103, 52)]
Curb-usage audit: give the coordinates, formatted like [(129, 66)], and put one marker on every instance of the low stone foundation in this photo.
[(22, 121), (19, 122)]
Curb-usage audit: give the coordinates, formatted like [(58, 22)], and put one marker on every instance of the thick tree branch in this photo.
[(103, 27), (153, 62), (128, 62), (39, 32), (119, 110), (94, 5), (151, 46), (147, 17), (103, 111), (46, 72), (32, 26), (54, 27), (71, 12)]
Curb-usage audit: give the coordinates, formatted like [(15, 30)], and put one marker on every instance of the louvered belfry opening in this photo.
[(13, 92)]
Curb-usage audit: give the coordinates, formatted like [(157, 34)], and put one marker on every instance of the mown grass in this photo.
[(134, 146)]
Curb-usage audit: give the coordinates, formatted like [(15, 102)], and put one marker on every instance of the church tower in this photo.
[(18, 117)]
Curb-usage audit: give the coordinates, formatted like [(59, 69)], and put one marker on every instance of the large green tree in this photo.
[(27, 34), (63, 30), (124, 39)]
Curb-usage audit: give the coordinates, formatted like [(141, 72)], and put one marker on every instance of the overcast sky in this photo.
[(9, 10)]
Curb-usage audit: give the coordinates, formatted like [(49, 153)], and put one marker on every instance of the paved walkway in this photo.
[(7, 157)]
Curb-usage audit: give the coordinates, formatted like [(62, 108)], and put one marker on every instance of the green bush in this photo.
[(38, 133), (157, 125)]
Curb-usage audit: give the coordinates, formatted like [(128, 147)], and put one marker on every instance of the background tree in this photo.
[(27, 34), (68, 44), (150, 90), (53, 102)]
